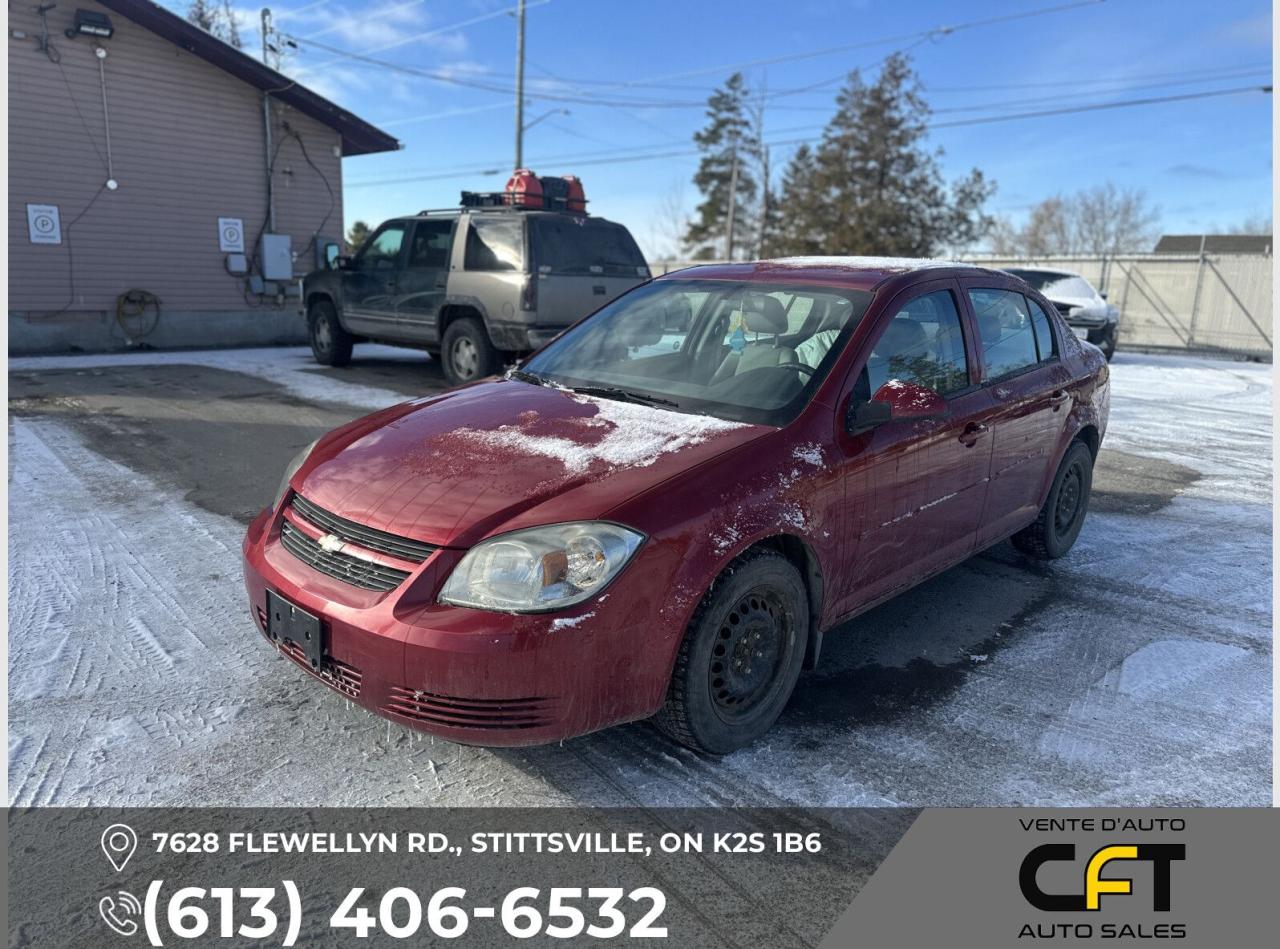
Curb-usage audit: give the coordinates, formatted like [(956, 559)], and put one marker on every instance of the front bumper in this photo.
[(467, 675)]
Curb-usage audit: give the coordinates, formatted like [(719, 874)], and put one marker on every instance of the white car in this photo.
[(1086, 310)]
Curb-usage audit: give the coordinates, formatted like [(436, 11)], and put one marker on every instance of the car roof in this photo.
[(1052, 270), (863, 273)]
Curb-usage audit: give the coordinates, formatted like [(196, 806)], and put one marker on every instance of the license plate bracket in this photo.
[(286, 621)]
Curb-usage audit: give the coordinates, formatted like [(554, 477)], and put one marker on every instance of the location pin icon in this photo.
[(118, 843)]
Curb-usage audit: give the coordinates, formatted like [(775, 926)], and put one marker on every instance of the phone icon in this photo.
[(115, 912)]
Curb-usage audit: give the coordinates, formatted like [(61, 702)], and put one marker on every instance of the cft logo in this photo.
[(1160, 856)]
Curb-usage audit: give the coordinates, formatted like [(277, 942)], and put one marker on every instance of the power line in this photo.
[(614, 158)]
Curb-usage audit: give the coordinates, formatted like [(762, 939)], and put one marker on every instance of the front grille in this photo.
[(337, 675), (368, 537), (434, 709), (353, 570)]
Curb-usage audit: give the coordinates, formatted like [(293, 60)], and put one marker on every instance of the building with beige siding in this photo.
[(165, 189)]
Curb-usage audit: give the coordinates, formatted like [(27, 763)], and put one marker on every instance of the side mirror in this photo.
[(1101, 294), (895, 401), (331, 254)]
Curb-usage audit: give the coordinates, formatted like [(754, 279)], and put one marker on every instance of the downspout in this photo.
[(266, 132)]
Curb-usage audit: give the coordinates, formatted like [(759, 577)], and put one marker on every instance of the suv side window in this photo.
[(924, 344), (1005, 331), (495, 243), (1046, 345), (429, 249), (382, 250)]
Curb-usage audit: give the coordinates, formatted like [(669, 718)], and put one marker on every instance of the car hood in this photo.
[(502, 455)]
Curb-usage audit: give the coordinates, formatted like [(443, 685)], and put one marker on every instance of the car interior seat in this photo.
[(761, 315)]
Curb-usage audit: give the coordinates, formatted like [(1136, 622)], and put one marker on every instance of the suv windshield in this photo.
[(745, 352), (1052, 283), (580, 245)]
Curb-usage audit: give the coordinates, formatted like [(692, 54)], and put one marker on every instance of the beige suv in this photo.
[(472, 286)]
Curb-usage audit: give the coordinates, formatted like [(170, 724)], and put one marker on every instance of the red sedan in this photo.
[(661, 512)]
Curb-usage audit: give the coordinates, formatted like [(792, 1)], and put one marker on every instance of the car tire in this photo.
[(466, 353), (1108, 346), (330, 343), (756, 611), (1058, 524)]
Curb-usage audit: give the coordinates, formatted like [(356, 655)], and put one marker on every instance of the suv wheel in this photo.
[(1055, 530), (740, 658), (330, 343), (466, 353)]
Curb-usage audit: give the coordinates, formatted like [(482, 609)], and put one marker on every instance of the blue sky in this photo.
[(1206, 163)]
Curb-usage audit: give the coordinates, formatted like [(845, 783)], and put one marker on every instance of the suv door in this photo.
[(423, 283), (1029, 388), (915, 490), (369, 284)]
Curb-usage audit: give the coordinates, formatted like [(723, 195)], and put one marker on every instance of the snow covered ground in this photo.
[(1135, 671)]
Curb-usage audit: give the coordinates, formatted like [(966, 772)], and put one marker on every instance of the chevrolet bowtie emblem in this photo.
[(332, 543)]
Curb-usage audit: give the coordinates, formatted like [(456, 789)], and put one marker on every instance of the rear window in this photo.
[(579, 245), (1051, 283)]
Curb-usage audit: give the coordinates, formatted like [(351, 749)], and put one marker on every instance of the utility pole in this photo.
[(733, 202), (266, 35), (520, 84), (764, 205)]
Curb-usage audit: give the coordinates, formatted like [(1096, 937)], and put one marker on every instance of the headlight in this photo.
[(540, 569), (290, 471)]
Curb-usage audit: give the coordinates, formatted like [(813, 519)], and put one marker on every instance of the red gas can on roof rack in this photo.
[(524, 189), (576, 199)]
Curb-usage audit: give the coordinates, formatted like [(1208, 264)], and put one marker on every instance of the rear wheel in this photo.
[(466, 353), (1055, 530), (740, 658), (330, 343), (1108, 344)]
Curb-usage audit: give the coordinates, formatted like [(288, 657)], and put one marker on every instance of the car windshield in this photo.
[(1052, 283), (745, 352)]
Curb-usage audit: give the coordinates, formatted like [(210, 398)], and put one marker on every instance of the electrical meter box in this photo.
[(277, 257)]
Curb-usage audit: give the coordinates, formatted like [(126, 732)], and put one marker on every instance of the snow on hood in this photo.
[(484, 456), (619, 435)]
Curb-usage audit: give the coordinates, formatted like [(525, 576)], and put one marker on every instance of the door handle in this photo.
[(1058, 397), (972, 432)]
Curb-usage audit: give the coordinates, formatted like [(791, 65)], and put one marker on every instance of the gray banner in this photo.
[(1014, 877), (736, 878)]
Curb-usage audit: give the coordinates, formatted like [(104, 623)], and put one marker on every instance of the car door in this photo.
[(1029, 390), (915, 489), (423, 283), (369, 284)]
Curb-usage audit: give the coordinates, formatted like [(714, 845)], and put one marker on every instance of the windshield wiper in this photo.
[(624, 395), (530, 377)]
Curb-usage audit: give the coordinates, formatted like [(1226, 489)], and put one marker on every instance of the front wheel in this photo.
[(466, 353), (740, 657), (1108, 344), (1055, 530), (330, 343)]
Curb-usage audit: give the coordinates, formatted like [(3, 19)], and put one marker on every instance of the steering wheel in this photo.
[(801, 366)]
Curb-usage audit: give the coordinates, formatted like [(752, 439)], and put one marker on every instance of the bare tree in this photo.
[(669, 224), (1111, 220), (1252, 224), (1101, 220)]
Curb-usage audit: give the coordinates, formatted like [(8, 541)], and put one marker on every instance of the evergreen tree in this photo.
[(356, 237), (872, 187), (798, 220), (727, 140)]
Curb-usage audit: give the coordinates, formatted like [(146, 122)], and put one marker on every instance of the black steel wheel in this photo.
[(1058, 524), (741, 656)]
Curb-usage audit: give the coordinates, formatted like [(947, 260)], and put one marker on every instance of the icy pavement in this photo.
[(1135, 671)]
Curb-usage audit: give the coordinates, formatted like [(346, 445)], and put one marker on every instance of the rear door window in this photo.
[(429, 249), (1046, 345), (1005, 331), (495, 243), (585, 246)]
